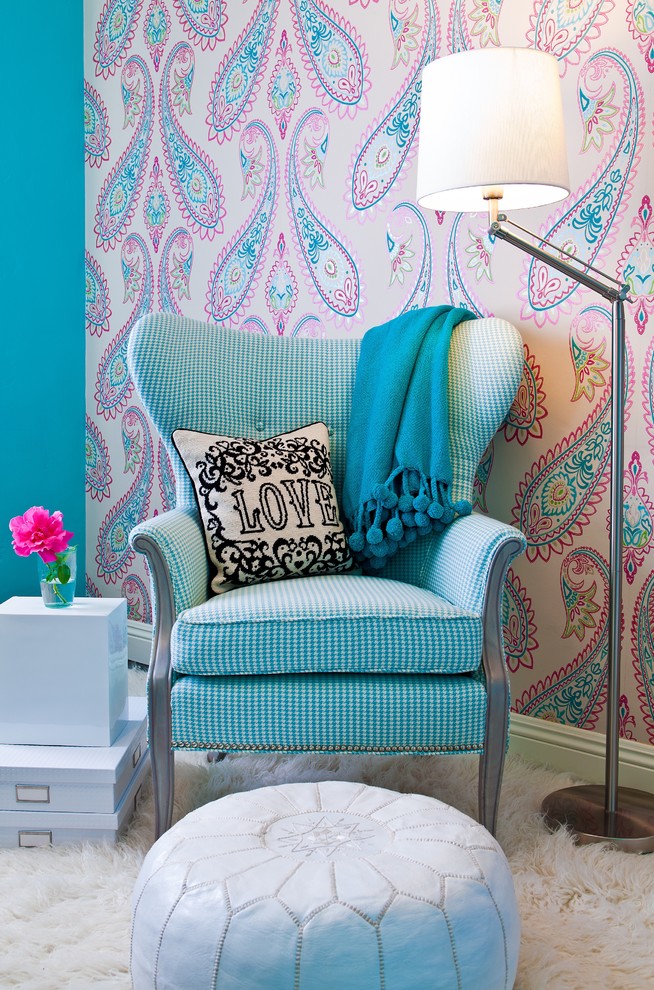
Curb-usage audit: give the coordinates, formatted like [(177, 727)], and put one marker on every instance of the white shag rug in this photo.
[(587, 912)]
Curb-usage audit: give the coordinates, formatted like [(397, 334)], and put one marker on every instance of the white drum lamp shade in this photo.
[(491, 126)]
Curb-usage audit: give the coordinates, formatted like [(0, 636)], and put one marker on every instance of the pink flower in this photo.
[(39, 532)]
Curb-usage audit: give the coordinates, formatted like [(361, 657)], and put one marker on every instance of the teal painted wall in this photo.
[(42, 328)]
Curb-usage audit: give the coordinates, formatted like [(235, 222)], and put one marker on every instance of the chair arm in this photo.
[(459, 561), (174, 547)]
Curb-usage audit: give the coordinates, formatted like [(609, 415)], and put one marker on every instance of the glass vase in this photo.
[(57, 579)]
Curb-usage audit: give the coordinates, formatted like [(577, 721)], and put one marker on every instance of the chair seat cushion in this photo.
[(347, 622)]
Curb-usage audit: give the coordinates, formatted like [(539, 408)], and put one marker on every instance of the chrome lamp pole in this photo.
[(620, 815)]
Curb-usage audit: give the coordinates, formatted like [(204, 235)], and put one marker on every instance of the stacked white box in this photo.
[(54, 795), (63, 672)]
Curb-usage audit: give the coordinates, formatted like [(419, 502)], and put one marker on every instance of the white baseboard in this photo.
[(579, 752), (561, 747), (139, 641)]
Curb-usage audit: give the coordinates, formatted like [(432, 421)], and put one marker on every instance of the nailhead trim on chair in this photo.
[(260, 748)]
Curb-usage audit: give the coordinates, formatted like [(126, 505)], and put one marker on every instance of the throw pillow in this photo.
[(268, 507)]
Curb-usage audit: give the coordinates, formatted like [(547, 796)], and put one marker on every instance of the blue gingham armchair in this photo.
[(407, 661)]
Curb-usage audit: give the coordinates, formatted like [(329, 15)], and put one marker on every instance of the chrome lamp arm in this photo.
[(617, 291)]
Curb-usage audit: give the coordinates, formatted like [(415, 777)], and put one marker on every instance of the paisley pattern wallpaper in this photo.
[(253, 162)]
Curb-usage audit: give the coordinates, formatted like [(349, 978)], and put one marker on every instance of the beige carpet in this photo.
[(587, 912)]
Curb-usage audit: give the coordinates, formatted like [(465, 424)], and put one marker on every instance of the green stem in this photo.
[(55, 588), (53, 576)]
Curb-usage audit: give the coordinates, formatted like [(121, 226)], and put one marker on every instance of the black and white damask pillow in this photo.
[(268, 507)]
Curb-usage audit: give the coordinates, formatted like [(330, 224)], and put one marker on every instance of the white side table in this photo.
[(63, 672)]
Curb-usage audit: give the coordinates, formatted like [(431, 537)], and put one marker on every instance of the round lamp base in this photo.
[(582, 809)]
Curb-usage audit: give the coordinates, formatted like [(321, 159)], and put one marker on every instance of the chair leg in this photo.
[(491, 764), (162, 758), (491, 769), (163, 771), (159, 685)]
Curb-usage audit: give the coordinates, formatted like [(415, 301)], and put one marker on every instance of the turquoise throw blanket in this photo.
[(398, 469)]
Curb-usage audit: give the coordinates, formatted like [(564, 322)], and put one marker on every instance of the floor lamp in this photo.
[(491, 132)]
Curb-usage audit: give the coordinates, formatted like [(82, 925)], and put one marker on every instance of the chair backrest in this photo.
[(201, 376)]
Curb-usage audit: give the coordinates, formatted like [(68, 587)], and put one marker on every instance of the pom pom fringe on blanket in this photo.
[(398, 470)]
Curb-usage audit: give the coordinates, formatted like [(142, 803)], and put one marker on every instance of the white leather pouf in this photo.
[(325, 886)]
